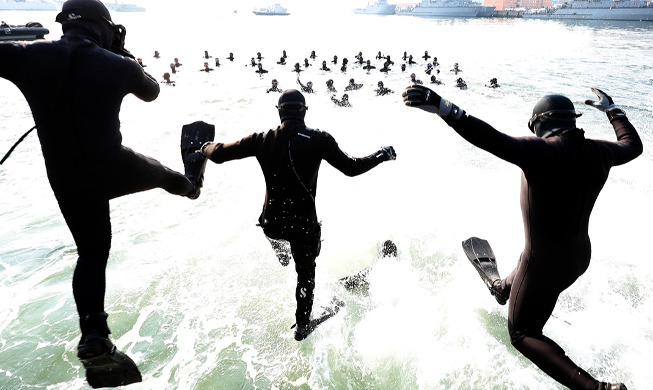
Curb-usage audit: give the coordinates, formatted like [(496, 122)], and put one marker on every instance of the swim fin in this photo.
[(193, 136), (111, 368), (302, 332), (480, 254)]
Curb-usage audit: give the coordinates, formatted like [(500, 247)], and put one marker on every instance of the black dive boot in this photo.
[(193, 136), (105, 365)]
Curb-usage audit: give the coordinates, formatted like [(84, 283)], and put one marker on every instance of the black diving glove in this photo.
[(387, 153), (605, 104), (426, 99)]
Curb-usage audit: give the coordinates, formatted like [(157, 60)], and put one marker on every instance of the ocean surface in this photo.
[(195, 293)]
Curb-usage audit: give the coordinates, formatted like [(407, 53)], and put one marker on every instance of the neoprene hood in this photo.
[(552, 114), (83, 9), (291, 105)]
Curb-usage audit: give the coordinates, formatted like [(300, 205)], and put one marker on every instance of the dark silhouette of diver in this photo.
[(414, 79), (426, 55), (274, 87), (368, 66), (260, 69), (217, 62), (206, 68), (297, 68), (493, 83), (410, 60), (343, 68), (325, 67), (330, 87), (460, 83), (562, 175), (405, 56), (306, 63), (156, 54), (284, 54), (252, 62), (173, 68), (352, 86), (259, 57), (429, 68), (206, 55), (435, 81), (308, 88), (167, 80), (75, 87), (381, 90), (335, 60), (282, 61), (290, 158), (455, 69), (231, 57), (343, 102), (313, 56)]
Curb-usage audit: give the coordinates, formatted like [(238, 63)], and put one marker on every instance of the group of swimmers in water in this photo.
[(430, 69)]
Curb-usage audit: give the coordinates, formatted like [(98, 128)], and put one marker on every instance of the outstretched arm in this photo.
[(354, 166), (628, 145)]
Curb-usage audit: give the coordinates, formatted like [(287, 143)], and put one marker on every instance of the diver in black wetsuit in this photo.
[(308, 88), (344, 102), (231, 57), (368, 66), (352, 86), (325, 67), (290, 158), (260, 69), (206, 68), (335, 60), (274, 87), (75, 87), (330, 87), (563, 174), (297, 68), (382, 90), (414, 79)]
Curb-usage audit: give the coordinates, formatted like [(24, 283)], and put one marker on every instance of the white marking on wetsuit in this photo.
[(304, 135)]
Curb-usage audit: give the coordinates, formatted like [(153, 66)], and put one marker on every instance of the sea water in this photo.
[(194, 292)]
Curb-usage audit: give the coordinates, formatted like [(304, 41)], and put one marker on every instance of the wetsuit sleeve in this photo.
[(628, 145), (350, 166), (144, 86), (246, 147), (517, 150), (8, 65)]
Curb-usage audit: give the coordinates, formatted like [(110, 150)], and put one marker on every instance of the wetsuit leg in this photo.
[(89, 222), (134, 172), (533, 296), (305, 249)]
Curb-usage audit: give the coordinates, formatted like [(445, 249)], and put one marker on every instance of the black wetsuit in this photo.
[(290, 158), (561, 180), (74, 89)]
